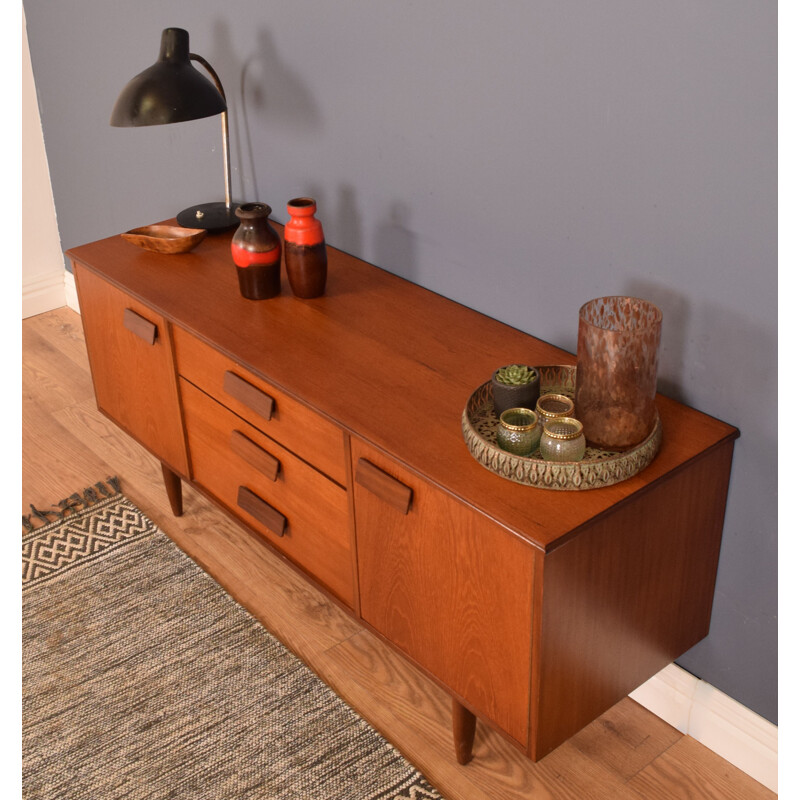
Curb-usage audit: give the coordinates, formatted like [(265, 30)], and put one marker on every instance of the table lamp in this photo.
[(172, 90)]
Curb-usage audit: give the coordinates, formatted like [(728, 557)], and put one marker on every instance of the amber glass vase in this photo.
[(615, 382), (256, 251)]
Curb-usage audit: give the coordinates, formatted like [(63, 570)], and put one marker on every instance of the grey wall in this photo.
[(519, 157)]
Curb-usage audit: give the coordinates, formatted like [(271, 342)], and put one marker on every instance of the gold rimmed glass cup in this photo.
[(518, 431), (562, 440)]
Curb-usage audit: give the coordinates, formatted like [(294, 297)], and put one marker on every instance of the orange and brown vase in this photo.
[(256, 251), (305, 253)]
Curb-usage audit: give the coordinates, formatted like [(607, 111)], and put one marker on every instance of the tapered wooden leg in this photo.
[(172, 483), (463, 732)]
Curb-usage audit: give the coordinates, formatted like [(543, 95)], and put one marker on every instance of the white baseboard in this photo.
[(71, 293), (717, 721), (43, 292)]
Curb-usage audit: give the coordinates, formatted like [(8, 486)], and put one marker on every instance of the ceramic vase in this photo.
[(304, 248), (256, 251), (615, 380)]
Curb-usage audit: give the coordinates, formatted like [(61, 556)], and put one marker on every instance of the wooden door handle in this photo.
[(139, 326), (255, 455), (248, 395), (382, 485), (260, 509)]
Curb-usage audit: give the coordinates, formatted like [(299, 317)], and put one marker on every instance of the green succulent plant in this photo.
[(516, 375)]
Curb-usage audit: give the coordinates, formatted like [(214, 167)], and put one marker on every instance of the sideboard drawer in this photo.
[(292, 505), (298, 428)]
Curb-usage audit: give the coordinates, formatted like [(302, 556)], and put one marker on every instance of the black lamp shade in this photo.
[(172, 90)]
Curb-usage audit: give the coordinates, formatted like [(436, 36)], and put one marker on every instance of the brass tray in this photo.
[(597, 468)]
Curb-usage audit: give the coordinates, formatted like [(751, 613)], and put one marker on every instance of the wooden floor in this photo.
[(627, 753)]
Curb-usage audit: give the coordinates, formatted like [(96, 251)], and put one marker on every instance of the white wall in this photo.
[(42, 261)]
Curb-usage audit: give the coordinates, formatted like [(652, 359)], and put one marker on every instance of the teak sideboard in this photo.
[(331, 429)]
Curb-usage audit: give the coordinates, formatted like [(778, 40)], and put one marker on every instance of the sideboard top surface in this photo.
[(389, 361)]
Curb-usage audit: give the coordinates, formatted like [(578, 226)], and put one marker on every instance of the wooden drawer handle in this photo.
[(386, 487), (140, 326), (251, 503), (248, 395), (255, 455)]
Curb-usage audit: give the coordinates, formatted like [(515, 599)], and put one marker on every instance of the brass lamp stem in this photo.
[(225, 141)]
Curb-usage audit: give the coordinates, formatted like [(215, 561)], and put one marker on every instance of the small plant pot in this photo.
[(507, 396)]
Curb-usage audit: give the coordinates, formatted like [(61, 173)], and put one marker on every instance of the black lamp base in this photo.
[(210, 216)]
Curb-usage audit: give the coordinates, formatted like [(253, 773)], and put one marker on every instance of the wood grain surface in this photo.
[(632, 591), (450, 589)]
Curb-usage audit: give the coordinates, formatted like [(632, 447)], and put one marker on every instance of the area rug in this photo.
[(143, 678)]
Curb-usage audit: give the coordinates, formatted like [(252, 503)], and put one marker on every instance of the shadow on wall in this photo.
[(674, 331), (340, 218), (395, 242), (393, 246), (715, 358), (341, 221), (268, 92), (347, 222), (271, 93), (724, 363)]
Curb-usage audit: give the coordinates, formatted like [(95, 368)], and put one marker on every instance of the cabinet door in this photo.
[(132, 367), (446, 585)]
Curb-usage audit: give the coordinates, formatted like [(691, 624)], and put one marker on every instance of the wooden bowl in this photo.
[(168, 239)]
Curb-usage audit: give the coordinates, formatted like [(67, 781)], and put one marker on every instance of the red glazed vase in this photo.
[(304, 246), (256, 251)]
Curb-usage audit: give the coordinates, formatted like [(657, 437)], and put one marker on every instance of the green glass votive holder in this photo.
[(562, 440), (518, 431)]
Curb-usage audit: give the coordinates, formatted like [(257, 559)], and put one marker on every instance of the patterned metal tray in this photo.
[(597, 468)]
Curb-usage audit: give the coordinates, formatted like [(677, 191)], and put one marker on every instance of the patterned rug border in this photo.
[(80, 535), (69, 505)]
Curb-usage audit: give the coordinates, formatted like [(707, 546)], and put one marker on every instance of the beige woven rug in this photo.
[(143, 679)]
